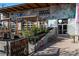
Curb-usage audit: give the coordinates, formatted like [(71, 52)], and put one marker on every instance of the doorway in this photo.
[(62, 26)]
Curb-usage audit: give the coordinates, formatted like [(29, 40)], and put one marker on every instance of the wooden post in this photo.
[(43, 24), (76, 38), (9, 25), (37, 22), (40, 23), (27, 23), (17, 28)]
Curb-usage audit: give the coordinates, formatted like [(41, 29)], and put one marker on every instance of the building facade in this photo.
[(61, 16)]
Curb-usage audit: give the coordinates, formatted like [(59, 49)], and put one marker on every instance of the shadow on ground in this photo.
[(51, 42), (72, 53)]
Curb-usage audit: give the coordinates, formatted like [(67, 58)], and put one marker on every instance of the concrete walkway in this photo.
[(66, 45)]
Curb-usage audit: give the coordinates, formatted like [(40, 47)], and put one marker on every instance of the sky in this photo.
[(8, 4)]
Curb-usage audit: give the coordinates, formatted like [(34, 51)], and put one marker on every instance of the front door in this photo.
[(62, 26)]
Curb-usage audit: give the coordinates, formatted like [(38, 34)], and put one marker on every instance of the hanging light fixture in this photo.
[(60, 21)]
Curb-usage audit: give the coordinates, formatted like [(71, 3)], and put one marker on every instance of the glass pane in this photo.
[(59, 27), (64, 29), (65, 21), (64, 26)]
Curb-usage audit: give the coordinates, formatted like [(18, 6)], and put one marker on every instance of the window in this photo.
[(44, 12), (52, 23)]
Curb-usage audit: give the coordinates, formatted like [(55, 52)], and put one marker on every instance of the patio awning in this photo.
[(25, 6), (65, 10)]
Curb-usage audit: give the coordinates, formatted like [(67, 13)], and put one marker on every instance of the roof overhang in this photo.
[(25, 6)]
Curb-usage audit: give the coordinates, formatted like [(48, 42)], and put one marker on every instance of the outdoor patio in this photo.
[(66, 45)]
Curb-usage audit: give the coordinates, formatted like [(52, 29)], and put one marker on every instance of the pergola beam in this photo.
[(22, 7), (26, 6), (47, 4), (6, 10), (37, 5), (17, 8), (3, 11), (30, 6), (12, 9)]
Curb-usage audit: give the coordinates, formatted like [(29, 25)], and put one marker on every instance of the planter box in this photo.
[(15, 47)]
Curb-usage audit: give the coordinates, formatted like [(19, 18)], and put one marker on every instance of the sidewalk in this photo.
[(66, 45)]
